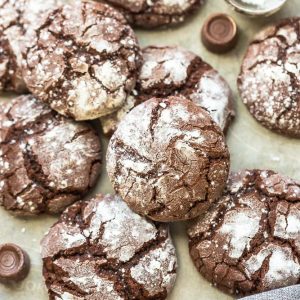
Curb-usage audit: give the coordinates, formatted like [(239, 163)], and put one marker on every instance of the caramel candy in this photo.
[(219, 33), (14, 263)]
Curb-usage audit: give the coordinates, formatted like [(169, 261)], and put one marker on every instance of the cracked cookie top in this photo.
[(16, 18), (83, 60), (100, 249), (46, 160), (171, 70), (269, 81), (168, 159), (154, 13), (250, 241)]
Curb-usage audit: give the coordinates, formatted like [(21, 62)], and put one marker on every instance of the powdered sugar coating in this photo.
[(150, 14), (284, 266), (250, 241), (47, 161), (157, 263), (83, 67), (84, 276), (264, 5), (170, 65), (171, 70), (61, 237), (16, 18), (269, 81), (240, 227), (168, 159), (214, 94), (124, 232), (109, 246)]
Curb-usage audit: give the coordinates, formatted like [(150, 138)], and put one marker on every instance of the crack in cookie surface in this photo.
[(168, 159), (47, 161), (249, 242), (100, 249)]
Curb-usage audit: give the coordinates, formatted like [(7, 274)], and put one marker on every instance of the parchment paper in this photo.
[(251, 146)]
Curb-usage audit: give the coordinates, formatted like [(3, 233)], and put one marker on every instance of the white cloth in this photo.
[(287, 293)]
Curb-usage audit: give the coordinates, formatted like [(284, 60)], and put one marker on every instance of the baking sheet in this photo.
[(251, 146)]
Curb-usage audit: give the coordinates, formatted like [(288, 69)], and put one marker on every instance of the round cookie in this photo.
[(171, 70), (46, 160), (269, 80), (250, 241), (100, 249), (151, 14), (168, 159), (83, 67), (16, 18)]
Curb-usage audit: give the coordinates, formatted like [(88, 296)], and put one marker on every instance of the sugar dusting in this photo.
[(84, 275), (287, 223), (168, 127), (263, 4), (124, 232), (214, 94), (159, 263), (170, 65), (240, 227), (183, 4), (61, 237), (283, 266)]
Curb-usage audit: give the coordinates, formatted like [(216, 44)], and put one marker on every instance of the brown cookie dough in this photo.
[(168, 159), (16, 18), (100, 249), (269, 81), (83, 60), (151, 14), (46, 160), (250, 241), (171, 70)]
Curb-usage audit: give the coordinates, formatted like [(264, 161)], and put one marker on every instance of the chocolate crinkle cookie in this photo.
[(46, 160), (83, 60), (155, 13), (100, 249), (168, 159), (269, 81), (16, 18), (250, 241), (171, 70)]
